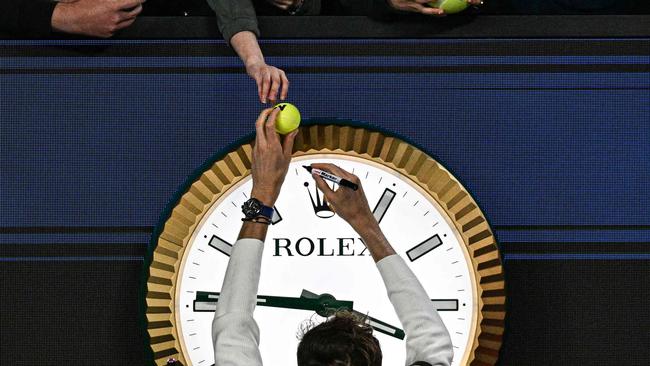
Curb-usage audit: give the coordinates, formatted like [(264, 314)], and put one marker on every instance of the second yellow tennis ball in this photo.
[(450, 6), (288, 119)]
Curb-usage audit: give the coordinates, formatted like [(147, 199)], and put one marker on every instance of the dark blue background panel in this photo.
[(109, 148), (556, 150)]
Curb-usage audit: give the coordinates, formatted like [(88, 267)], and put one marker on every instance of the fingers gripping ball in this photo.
[(288, 119), (450, 6)]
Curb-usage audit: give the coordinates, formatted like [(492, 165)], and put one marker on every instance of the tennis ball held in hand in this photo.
[(288, 119), (450, 6)]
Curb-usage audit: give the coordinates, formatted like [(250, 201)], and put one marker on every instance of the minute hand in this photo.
[(376, 324)]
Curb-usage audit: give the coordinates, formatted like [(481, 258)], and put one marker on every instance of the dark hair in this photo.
[(343, 340)]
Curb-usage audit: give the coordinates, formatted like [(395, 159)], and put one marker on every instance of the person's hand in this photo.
[(97, 18), (350, 205), (271, 158), (270, 80), (284, 4), (415, 6)]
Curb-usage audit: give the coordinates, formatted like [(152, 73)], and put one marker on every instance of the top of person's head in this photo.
[(343, 340)]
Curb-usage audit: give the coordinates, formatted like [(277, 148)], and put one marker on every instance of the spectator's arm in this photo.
[(235, 16), (26, 17)]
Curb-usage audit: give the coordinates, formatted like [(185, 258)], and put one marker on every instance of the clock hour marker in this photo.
[(424, 247), (276, 216), (382, 206), (445, 304), (206, 301), (220, 245)]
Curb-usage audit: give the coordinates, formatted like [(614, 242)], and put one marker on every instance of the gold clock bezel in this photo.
[(359, 142)]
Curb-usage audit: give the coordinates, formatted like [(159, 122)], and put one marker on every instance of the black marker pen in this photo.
[(332, 178)]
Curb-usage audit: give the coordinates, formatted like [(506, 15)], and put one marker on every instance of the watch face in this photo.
[(251, 207), (312, 251)]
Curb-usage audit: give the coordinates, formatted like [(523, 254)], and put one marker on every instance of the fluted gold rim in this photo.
[(389, 151)]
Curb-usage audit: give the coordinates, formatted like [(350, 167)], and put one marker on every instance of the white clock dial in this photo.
[(309, 249)]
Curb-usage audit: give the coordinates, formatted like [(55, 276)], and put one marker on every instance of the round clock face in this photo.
[(310, 250)]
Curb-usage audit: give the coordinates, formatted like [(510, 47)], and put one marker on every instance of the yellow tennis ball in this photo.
[(450, 6), (288, 119)]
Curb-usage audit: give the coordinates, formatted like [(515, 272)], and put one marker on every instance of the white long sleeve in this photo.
[(427, 338), (235, 333)]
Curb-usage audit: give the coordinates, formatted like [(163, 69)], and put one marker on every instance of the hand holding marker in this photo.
[(332, 178)]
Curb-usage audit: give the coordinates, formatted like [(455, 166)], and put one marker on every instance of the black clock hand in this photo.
[(207, 301), (376, 324)]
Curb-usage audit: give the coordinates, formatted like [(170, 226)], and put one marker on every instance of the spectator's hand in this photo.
[(271, 158), (415, 6), (284, 4), (97, 18), (350, 205), (270, 80)]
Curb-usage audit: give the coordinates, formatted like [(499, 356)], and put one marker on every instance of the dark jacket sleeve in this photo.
[(234, 16), (27, 17), (376, 9)]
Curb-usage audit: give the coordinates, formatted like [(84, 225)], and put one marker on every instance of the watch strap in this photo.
[(267, 212)]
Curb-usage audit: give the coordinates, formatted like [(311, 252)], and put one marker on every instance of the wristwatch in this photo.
[(254, 208)]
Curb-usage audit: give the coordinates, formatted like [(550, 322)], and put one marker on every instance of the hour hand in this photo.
[(325, 303), (382, 327)]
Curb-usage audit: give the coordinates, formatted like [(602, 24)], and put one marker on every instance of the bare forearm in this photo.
[(246, 46), (253, 230), (374, 238)]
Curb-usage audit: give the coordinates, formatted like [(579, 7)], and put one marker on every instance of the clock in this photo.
[(312, 256)]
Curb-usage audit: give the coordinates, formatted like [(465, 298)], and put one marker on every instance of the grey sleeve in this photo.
[(234, 16)]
